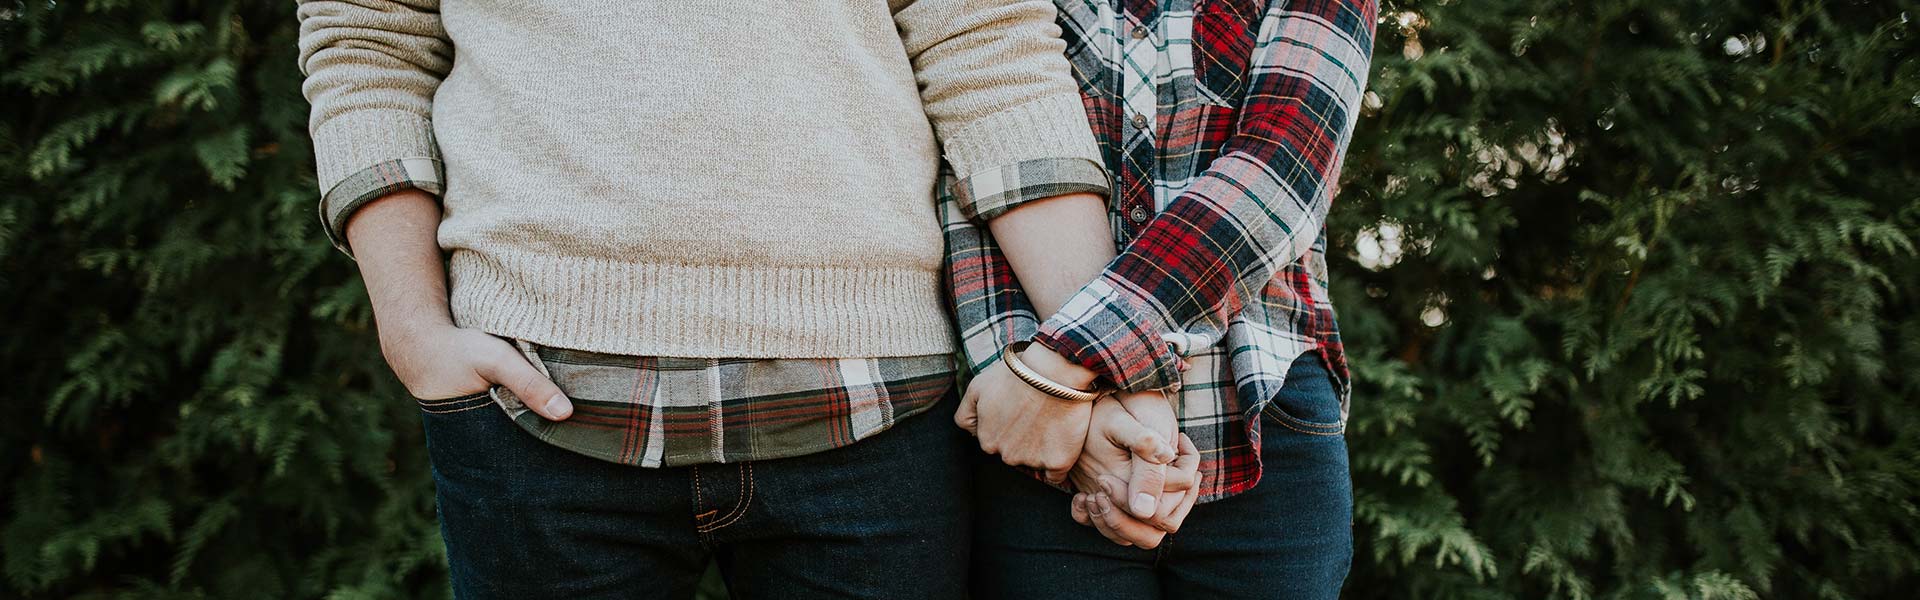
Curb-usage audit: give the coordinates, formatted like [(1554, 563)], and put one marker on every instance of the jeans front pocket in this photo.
[(457, 427), (1307, 403), (462, 430)]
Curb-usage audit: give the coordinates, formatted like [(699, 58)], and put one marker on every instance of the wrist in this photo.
[(1057, 368), (1148, 401), (410, 333)]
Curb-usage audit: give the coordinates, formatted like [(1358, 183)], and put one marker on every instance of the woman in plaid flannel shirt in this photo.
[(1223, 124)]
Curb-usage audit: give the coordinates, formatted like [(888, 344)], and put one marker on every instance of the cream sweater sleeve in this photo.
[(371, 69), (995, 81)]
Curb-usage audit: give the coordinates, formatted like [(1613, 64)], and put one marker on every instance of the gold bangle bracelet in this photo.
[(1011, 356)]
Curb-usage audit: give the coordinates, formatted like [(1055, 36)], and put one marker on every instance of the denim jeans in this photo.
[(1291, 536), (886, 517)]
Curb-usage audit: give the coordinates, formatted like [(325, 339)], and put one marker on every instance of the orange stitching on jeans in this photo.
[(741, 511), (446, 401), (1343, 429), (738, 507), (457, 410), (1321, 426), (696, 495), (1295, 423)]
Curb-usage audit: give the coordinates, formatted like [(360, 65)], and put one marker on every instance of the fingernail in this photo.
[(1143, 504), (1104, 503), (559, 406)]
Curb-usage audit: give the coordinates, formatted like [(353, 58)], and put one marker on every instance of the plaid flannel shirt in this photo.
[(1224, 123)]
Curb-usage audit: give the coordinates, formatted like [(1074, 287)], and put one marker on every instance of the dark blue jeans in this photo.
[(1289, 537), (886, 517)]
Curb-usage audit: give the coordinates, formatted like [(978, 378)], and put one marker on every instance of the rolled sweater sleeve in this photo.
[(1256, 209), (995, 83), (371, 69)]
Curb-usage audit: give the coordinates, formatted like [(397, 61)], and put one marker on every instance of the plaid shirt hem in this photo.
[(670, 412), (369, 184)]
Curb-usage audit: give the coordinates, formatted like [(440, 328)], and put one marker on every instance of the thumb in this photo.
[(1144, 487), (1144, 443), (1184, 473), (510, 369), (968, 416)]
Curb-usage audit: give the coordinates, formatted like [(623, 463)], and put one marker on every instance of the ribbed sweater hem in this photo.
[(655, 309)]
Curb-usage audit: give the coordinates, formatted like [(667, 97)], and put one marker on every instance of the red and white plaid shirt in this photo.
[(1224, 124)]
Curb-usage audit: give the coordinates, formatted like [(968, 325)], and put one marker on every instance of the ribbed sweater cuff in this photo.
[(350, 142), (364, 154), (1049, 128)]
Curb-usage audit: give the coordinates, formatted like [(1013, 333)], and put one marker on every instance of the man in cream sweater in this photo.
[(651, 270)]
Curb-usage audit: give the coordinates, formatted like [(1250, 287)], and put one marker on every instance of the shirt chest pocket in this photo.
[(1223, 39)]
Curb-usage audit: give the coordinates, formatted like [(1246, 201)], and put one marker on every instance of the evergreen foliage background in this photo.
[(1631, 287)]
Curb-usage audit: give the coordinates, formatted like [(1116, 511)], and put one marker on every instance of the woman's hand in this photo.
[(1125, 488)]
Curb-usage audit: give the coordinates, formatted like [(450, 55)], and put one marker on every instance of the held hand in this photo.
[(1124, 494), (1098, 509), (444, 361), (1026, 427), (1121, 446)]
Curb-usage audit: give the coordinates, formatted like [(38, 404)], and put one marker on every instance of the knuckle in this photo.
[(493, 354)]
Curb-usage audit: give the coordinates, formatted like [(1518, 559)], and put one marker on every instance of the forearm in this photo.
[(400, 260), (1259, 207), (371, 69), (395, 237), (1055, 246)]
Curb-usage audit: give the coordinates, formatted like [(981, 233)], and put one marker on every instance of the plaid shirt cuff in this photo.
[(989, 193), (338, 204), (1116, 330)]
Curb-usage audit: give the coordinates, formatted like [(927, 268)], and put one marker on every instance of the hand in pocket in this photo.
[(448, 362)]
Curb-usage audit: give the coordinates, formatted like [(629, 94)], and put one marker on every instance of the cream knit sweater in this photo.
[(688, 178)]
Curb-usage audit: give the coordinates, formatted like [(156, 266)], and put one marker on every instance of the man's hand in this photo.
[(1125, 488), (401, 262), (1026, 427), (443, 361)]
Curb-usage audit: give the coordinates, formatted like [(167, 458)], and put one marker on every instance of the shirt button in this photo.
[(1140, 32), (1139, 121), (1138, 214)]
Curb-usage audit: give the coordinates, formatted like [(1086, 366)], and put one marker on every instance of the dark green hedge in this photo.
[(1630, 285)]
